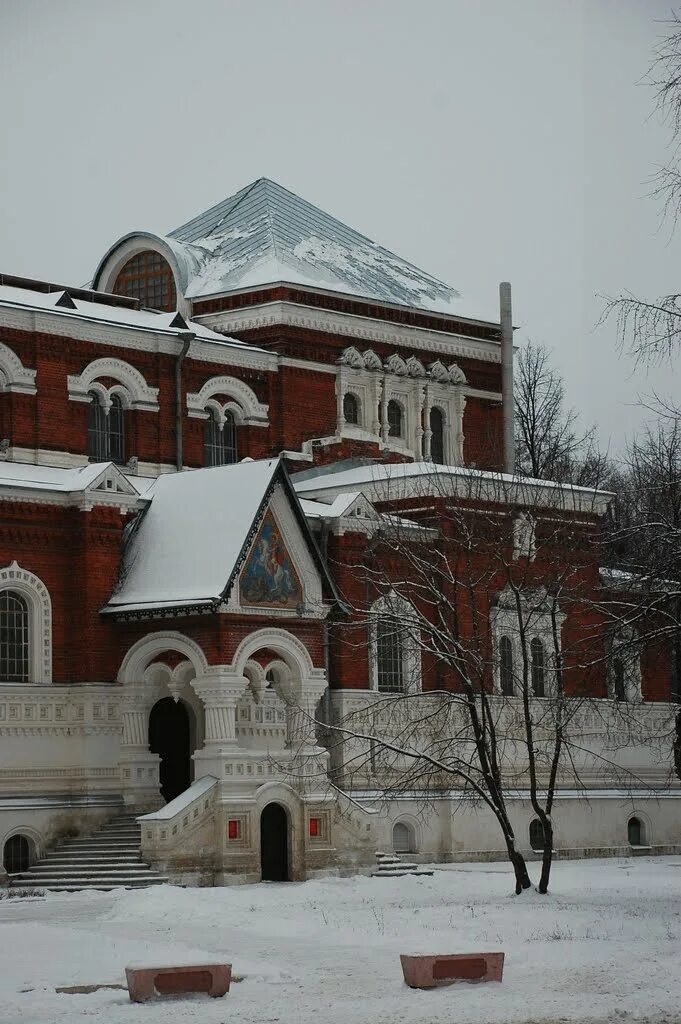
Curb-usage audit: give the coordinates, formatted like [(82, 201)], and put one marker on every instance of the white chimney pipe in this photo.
[(506, 320)]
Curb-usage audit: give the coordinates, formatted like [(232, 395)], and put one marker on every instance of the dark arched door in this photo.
[(274, 844), (16, 855), (169, 738)]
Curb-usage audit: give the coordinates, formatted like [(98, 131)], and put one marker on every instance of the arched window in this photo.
[(148, 277), (106, 429), (536, 834), (389, 657), (506, 666), (219, 440), (636, 832), (17, 854), (403, 838), (395, 424), (350, 408), (437, 436), (619, 688), (14, 638), (537, 667)]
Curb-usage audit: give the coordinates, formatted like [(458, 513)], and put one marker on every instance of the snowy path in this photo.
[(604, 946)]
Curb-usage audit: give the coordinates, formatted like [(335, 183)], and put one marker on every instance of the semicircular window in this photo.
[(149, 278)]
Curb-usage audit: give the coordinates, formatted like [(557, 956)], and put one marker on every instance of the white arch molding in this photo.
[(290, 649), (36, 594), (142, 653), (14, 376), (243, 401), (131, 385)]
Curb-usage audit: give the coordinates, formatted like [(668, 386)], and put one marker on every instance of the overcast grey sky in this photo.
[(483, 140)]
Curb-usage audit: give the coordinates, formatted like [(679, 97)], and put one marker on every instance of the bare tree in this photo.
[(650, 328), (550, 443), (479, 690)]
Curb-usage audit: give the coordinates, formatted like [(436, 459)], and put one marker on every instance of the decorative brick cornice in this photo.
[(290, 314)]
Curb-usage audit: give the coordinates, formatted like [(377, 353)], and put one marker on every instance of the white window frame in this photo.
[(411, 656), (536, 608), (33, 590)]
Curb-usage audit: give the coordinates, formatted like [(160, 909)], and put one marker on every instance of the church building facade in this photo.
[(195, 454)]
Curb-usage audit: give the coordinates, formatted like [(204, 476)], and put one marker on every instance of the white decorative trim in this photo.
[(137, 660), (290, 649), (64, 324), (14, 376), (140, 395), (32, 588), (535, 615), (272, 314), (248, 408)]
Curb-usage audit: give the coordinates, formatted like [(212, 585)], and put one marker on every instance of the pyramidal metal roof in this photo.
[(265, 234)]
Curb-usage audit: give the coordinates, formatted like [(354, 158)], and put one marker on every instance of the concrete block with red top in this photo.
[(447, 969), (145, 982)]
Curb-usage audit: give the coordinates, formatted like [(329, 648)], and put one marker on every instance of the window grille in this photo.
[(537, 667), (506, 666), (106, 432), (148, 277), (389, 658), (437, 438), (219, 440), (394, 419), (350, 408), (14, 638)]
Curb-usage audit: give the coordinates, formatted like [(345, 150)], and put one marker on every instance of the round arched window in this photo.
[(148, 277), (403, 839), (17, 854)]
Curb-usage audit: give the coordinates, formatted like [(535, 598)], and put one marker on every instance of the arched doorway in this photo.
[(169, 737), (16, 855), (274, 844)]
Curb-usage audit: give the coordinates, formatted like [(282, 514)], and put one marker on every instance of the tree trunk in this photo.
[(547, 858)]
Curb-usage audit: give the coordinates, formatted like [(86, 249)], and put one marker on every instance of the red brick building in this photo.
[(161, 630)]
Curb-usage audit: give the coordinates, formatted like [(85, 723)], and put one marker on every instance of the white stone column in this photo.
[(138, 766), (384, 413), (302, 712), (219, 691), (425, 416)]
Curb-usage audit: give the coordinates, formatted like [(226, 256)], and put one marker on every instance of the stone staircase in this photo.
[(107, 859), (390, 866)]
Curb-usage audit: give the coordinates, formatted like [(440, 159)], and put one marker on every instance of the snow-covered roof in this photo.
[(395, 481), (265, 234), (192, 535), (119, 316), (64, 481)]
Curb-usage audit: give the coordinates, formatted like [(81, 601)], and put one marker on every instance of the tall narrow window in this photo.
[(437, 436), (389, 658), (97, 429), (537, 667), (14, 638), (117, 430), (219, 440), (618, 680), (395, 419), (106, 430), (350, 408), (506, 666)]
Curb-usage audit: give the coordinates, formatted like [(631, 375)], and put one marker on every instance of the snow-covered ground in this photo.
[(605, 945)]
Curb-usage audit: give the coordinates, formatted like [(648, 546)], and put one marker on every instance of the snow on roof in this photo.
[(384, 481), (265, 234), (50, 478), (134, 319), (190, 538)]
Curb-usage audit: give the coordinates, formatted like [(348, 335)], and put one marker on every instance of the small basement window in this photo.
[(636, 832), (536, 834), (403, 838)]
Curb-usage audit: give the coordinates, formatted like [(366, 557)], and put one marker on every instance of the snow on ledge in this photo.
[(181, 802)]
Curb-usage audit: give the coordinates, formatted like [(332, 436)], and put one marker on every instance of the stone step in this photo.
[(100, 844), (103, 886), (92, 858), (85, 869)]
